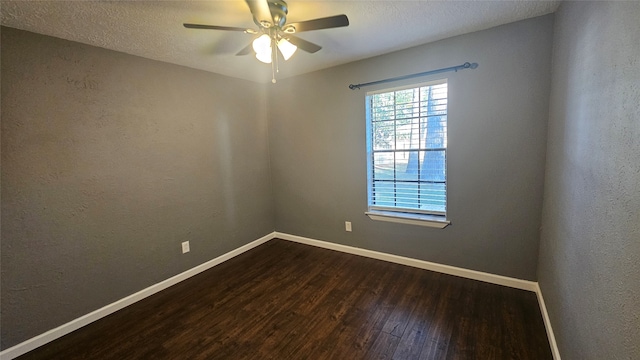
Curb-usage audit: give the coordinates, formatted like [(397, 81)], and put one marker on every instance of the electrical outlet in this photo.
[(347, 225), (185, 247)]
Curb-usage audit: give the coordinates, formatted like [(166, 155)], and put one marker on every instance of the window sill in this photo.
[(433, 221)]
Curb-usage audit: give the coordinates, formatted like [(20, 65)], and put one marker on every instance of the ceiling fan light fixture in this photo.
[(262, 47), (286, 48), (262, 43), (264, 57)]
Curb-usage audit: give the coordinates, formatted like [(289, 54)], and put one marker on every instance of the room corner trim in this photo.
[(547, 324), (75, 324), (421, 264)]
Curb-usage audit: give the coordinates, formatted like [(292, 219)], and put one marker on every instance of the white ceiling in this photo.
[(153, 29)]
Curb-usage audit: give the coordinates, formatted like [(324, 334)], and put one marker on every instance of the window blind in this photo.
[(407, 147)]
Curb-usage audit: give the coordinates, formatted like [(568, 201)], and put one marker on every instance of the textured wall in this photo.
[(497, 138), (109, 162), (589, 262)]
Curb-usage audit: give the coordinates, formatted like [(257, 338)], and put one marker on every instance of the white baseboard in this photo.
[(547, 324), (75, 324), (421, 264), (64, 329)]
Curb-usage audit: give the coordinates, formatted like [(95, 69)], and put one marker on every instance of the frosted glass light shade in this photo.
[(262, 47), (286, 48), (264, 57)]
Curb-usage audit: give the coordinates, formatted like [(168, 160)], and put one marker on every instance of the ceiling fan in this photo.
[(275, 35)]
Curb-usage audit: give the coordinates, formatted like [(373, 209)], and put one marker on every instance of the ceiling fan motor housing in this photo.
[(279, 12)]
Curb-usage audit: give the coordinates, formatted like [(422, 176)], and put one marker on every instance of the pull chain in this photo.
[(274, 59)]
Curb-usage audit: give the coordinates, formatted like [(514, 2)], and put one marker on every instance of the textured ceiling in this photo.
[(153, 29)]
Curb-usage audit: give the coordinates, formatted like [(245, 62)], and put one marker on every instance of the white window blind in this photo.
[(407, 149)]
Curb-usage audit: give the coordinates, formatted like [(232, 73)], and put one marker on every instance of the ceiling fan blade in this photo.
[(245, 51), (215, 27), (303, 44), (260, 11), (321, 23)]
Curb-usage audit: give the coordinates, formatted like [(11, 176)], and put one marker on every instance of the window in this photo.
[(407, 152)]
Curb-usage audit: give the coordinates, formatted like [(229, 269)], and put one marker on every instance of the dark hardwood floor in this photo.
[(284, 300)]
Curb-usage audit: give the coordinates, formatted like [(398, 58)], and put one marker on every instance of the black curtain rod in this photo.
[(452, 68)]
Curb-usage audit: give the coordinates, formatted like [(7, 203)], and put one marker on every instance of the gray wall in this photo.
[(497, 138), (109, 162), (589, 262)]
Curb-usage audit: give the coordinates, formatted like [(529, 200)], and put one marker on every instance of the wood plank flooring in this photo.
[(284, 300)]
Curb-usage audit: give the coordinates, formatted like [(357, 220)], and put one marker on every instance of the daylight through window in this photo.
[(407, 149)]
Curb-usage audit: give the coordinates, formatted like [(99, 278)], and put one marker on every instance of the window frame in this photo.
[(431, 218)]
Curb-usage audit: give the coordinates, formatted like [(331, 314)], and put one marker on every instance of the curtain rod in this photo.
[(437, 71)]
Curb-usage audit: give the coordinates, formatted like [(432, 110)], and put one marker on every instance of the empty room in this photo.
[(268, 179)]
